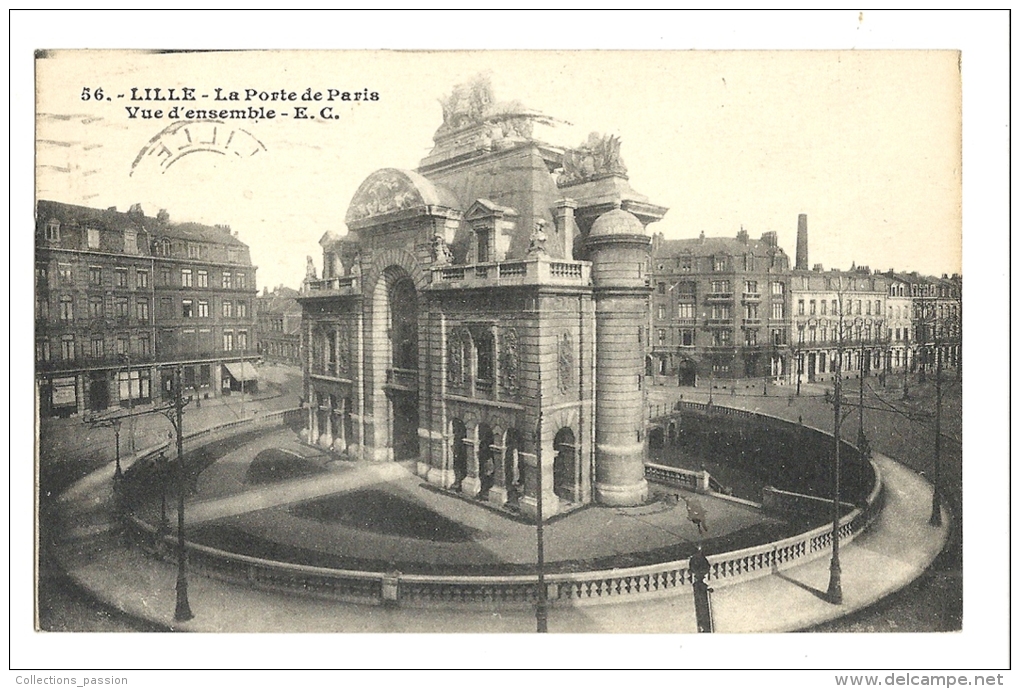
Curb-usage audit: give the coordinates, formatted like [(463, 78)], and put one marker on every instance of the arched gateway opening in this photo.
[(401, 309), (564, 466)]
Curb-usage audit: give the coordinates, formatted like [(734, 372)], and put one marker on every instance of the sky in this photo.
[(867, 144)]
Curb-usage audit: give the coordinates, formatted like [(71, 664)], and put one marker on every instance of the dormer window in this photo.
[(53, 230), (161, 247), (484, 237), (718, 263), (92, 236)]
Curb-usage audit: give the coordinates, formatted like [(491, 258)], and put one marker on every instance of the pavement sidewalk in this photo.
[(894, 551)]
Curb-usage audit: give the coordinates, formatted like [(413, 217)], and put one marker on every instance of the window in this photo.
[(800, 307), (92, 237), (42, 308), (98, 348), (750, 338), (130, 242), (120, 277), (121, 308), (142, 278), (813, 307), (878, 307), (858, 307), (685, 310), (228, 341), (718, 263), (164, 277), (142, 310), (720, 285), (42, 350), (751, 286), (824, 307), (661, 287), (242, 343), (187, 308), (166, 308), (751, 311), (186, 280), (867, 306), (778, 310), (95, 276), (687, 338), (203, 309), (66, 309), (662, 336), (194, 250), (778, 336), (161, 247), (42, 276), (203, 278), (813, 335), (228, 282), (123, 345), (67, 347), (778, 289), (228, 309), (233, 255), (835, 307), (721, 312), (96, 307), (722, 338), (241, 281), (65, 273), (144, 344), (53, 231), (661, 311), (242, 311), (483, 245)]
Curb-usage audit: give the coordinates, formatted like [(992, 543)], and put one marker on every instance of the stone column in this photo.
[(497, 494), (529, 502), (472, 484)]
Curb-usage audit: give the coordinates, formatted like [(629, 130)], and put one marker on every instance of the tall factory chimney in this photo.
[(802, 259)]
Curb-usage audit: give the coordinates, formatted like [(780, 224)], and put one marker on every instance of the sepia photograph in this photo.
[(477, 342)]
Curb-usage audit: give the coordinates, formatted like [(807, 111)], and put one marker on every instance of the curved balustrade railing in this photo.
[(576, 588)]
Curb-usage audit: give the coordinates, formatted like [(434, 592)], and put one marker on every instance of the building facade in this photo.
[(122, 298), (486, 316), (936, 318), (841, 311), (278, 317), (720, 310)]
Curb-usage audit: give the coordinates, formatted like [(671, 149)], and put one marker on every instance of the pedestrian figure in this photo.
[(696, 513)]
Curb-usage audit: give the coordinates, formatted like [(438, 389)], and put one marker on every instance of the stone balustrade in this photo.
[(536, 270), (495, 591)]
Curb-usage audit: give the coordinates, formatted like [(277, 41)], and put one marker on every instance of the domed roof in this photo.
[(389, 189), (616, 222)]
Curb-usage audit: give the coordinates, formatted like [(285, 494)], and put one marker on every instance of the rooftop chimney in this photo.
[(818, 268), (742, 235), (802, 257), (770, 238)]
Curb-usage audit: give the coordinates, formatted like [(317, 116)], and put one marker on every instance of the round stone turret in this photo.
[(618, 248)]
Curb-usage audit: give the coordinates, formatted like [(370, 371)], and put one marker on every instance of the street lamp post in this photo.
[(117, 473), (182, 612), (541, 610), (936, 498), (862, 438), (835, 591)]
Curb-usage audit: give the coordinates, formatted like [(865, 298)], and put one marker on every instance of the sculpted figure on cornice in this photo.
[(598, 155)]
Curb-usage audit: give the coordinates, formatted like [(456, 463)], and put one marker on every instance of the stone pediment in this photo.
[(484, 208)]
